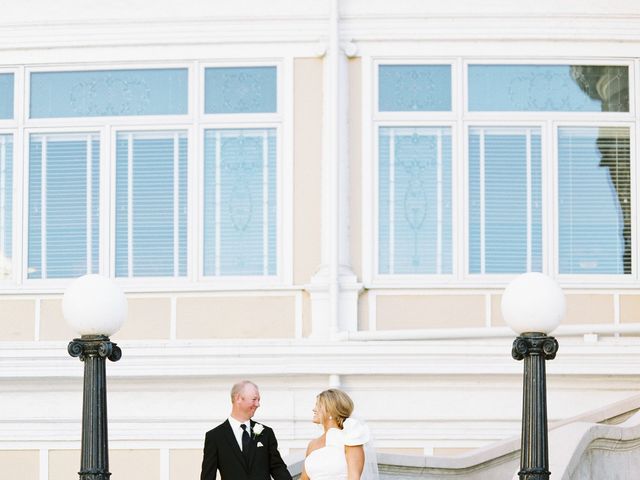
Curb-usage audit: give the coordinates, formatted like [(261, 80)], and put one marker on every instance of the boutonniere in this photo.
[(257, 429)]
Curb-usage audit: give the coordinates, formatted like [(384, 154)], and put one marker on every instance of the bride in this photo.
[(339, 453)]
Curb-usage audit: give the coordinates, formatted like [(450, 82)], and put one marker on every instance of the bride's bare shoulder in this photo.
[(315, 444)]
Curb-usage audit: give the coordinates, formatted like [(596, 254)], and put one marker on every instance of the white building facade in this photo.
[(312, 194)]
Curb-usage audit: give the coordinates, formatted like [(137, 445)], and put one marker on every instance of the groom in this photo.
[(241, 448)]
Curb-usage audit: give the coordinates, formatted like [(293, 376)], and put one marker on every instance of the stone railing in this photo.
[(603, 443)]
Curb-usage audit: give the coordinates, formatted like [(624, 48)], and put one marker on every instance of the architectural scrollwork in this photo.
[(542, 345), (94, 346)]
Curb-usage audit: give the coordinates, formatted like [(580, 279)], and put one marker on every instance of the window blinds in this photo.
[(6, 206), (151, 204), (505, 200), (594, 200), (64, 188), (240, 202)]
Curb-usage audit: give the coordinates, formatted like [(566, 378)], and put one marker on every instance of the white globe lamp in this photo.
[(94, 305), (533, 302)]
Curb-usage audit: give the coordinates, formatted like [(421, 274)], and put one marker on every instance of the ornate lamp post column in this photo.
[(96, 308), (533, 305)]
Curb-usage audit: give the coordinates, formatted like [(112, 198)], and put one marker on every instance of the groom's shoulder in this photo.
[(219, 428)]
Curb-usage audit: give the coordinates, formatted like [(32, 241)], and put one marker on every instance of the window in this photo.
[(122, 177), (414, 198), (544, 171), (594, 200), (505, 200), (108, 93), (240, 176), (63, 210), (151, 204), (6, 96), (240, 206)]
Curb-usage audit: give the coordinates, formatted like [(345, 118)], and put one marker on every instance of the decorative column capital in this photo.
[(534, 344), (94, 346)]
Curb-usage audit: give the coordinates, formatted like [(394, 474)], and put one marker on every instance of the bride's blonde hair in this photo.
[(336, 404)]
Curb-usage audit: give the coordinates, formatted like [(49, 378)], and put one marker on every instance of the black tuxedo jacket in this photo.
[(222, 452)]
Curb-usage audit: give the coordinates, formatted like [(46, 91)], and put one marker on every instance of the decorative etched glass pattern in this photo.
[(548, 88), (6, 206), (414, 200), (505, 200), (151, 204), (594, 200), (414, 88), (6, 96), (240, 90), (109, 93), (240, 202), (63, 210)]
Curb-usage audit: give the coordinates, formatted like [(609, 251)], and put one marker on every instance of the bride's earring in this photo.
[(330, 417)]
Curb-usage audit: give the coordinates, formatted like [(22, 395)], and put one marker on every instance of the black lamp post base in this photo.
[(534, 474)]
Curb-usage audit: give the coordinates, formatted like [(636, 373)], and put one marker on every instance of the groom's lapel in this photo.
[(231, 438)]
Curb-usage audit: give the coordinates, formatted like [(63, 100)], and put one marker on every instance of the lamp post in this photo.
[(96, 308), (533, 305)]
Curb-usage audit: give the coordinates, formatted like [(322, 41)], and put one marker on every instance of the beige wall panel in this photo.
[(306, 314), (588, 308), (17, 320), (307, 158), (355, 164), (497, 320), (185, 464), (20, 465), (629, 308), (363, 310), (52, 324), (429, 311), (236, 317), (147, 319), (64, 464), (402, 451), (134, 464)]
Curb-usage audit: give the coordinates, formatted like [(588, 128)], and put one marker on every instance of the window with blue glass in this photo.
[(6, 207), (240, 202), (505, 200), (414, 200), (6, 96), (594, 200), (109, 93), (414, 88), (548, 88), (151, 204), (63, 205), (234, 90)]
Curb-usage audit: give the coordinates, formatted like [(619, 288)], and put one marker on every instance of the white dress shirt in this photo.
[(237, 429)]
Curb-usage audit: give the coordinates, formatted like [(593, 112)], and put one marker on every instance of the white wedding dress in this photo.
[(330, 462)]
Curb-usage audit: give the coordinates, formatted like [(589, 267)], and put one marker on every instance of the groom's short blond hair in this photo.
[(238, 388), (336, 404)]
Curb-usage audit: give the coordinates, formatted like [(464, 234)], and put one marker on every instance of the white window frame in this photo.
[(461, 120), (280, 122), (193, 123)]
